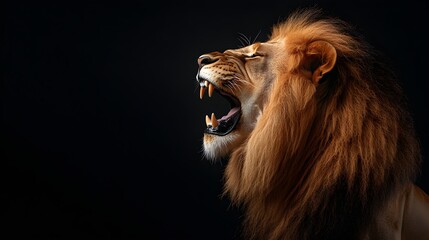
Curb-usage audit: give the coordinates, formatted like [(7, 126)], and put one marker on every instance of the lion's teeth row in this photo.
[(211, 122), (203, 89)]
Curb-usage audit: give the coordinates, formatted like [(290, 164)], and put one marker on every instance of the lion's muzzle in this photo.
[(211, 78)]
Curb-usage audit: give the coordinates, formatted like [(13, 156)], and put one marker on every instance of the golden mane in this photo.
[(323, 155)]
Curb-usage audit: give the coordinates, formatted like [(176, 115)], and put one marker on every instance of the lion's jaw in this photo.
[(216, 146), (241, 76)]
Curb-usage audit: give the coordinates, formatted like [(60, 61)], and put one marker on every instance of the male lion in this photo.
[(319, 140)]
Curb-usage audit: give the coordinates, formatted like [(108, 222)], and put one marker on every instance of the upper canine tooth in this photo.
[(202, 91), (211, 89), (208, 121), (214, 121)]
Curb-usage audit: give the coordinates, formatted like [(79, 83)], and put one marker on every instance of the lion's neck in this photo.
[(289, 208), (314, 178)]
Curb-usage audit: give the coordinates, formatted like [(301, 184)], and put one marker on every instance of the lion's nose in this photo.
[(207, 59)]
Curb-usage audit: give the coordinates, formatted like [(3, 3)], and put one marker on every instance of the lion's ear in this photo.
[(320, 58)]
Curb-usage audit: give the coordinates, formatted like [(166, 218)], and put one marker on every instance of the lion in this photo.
[(319, 141)]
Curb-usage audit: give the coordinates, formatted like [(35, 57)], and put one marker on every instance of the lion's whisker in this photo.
[(245, 39), (257, 35), (242, 44)]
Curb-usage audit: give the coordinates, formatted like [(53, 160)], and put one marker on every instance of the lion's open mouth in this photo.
[(227, 123)]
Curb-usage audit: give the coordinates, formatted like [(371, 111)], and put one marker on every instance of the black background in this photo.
[(101, 121)]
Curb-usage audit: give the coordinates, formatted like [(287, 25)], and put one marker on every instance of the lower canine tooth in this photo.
[(214, 121), (208, 121)]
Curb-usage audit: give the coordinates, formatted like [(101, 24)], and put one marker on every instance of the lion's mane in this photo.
[(322, 158)]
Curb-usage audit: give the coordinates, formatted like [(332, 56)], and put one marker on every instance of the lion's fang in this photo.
[(211, 89), (214, 121), (202, 91), (208, 121)]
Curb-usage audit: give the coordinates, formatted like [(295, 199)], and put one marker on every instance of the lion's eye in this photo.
[(253, 55)]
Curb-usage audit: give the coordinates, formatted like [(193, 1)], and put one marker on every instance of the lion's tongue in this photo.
[(230, 113)]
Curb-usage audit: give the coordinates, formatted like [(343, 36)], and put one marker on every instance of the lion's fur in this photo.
[(323, 155)]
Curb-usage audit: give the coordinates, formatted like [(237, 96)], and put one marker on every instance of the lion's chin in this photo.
[(216, 147)]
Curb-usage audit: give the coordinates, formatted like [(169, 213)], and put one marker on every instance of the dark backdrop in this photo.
[(101, 121)]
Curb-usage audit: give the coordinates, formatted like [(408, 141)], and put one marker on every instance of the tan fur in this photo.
[(333, 144)]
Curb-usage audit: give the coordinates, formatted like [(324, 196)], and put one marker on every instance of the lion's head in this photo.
[(317, 126), (244, 76)]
